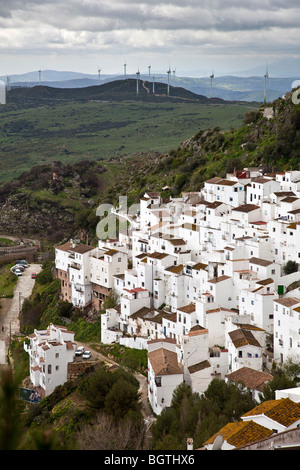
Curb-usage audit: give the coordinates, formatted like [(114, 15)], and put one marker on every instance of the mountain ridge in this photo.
[(117, 90)]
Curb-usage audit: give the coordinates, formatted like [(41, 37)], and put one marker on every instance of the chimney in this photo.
[(190, 443)]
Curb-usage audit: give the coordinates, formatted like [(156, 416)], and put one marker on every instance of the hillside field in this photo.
[(69, 130)]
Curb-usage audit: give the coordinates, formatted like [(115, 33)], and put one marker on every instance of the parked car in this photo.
[(86, 355), (19, 266), (79, 351), (18, 272), (23, 262), (33, 275)]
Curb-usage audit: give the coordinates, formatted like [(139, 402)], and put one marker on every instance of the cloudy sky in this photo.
[(192, 36)]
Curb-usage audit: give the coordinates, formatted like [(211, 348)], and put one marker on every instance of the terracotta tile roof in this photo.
[(246, 208), (77, 248), (248, 326), (288, 301), (215, 280), (251, 378), (188, 308), (265, 282), (200, 266), (260, 261), (242, 433), (197, 330), (177, 241), (175, 269), (283, 411), (200, 366), (243, 338), (164, 362), (82, 249)]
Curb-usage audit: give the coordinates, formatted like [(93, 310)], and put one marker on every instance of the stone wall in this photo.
[(18, 252), (77, 368)]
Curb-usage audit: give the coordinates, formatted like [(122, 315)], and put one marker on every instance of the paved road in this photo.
[(9, 318)]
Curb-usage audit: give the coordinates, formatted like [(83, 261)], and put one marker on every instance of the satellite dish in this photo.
[(217, 442)]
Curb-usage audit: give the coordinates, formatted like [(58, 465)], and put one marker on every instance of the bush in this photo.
[(290, 267)]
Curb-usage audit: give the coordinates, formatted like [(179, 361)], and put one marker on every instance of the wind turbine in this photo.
[(153, 84), (40, 76), (212, 76), (168, 72), (99, 70), (8, 83), (149, 67), (174, 71), (125, 65), (137, 82), (266, 76)]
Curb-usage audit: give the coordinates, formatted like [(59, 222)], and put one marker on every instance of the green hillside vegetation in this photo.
[(273, 144), (43, 124)]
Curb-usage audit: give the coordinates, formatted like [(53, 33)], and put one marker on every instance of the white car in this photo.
[(79, 351), (86, 355), (18, 272)]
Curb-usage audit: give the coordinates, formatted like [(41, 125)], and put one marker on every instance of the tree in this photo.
[(199, 417), (107, 433), (122, 398), (281, 380), (10, 430), (290, 267)]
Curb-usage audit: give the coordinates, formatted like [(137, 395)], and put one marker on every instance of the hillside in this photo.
[(272, 143), (40, 125), (69, 204), (117, 90)]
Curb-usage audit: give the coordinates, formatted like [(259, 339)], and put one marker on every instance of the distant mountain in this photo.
[(117, 90), (245, 86), (288, 67)]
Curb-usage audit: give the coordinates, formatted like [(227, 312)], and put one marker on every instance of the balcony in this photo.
[(78, 288), (76, 266)]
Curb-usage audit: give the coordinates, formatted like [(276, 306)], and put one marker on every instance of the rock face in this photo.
[(44, 202), (28, 216)]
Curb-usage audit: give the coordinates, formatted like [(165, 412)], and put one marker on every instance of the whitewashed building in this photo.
[(50, 351)]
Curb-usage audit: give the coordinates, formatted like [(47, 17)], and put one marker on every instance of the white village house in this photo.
[(50, 351)]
